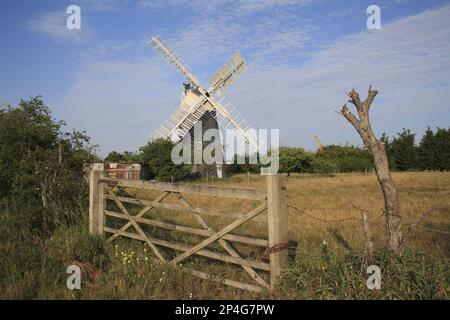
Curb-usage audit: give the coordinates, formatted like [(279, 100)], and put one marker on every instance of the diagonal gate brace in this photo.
[(214, 237), (146, 238), (224, 244)]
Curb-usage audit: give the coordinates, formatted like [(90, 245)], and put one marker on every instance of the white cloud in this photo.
[(53, 24), (103, 5), (121, 102), (213, 30), (407, 61), (252, 6), (211, 40), (234, 7), (401, 2)]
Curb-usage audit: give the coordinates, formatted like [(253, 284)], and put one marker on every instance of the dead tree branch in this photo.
[(377, 149)]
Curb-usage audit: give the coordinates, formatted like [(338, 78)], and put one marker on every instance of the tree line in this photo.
[(35, 153), (431, 153)]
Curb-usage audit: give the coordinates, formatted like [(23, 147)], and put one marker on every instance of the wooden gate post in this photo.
[(278, 226), (96, 200)]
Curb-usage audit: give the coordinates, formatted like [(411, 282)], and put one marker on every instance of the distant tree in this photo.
[(322, 166), (433, 152), (295, 160), (157, 156), (291, 160), (442, 147), (114, 156), (241, 164), (388, 144), (346, 158), (404, 151), (126, 156), (426, 152)]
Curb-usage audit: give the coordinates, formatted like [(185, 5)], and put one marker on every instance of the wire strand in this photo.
[(321, 219)]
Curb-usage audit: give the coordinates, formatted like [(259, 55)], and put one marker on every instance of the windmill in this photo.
[(207, 106)]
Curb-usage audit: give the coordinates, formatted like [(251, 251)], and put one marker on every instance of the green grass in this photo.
[(327, 261), (121, 271)]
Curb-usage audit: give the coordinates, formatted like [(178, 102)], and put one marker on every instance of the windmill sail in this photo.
[(230, 118), (161, 47), (227, 74), (180, 122)]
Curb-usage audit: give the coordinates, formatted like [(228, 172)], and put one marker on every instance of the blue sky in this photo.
[(302, 55)]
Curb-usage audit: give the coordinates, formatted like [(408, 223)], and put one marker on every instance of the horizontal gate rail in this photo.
[(190, 230), (177, 207), (220, 234), (200, 190), (203, 252), (272, 202)]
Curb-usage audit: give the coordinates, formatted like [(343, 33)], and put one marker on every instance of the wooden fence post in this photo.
[(96, 200), (369, 241), (278, 226)]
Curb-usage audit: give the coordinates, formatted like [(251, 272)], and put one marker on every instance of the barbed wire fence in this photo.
[(367, 224), (364, 219)]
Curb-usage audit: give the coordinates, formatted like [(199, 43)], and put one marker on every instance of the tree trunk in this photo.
[(378, 151), (391, 201)]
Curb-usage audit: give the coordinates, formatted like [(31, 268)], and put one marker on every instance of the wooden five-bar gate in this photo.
[(273, 203)]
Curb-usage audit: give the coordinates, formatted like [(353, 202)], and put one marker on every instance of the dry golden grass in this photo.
[(340, 198), (316, 271), (331, 212)]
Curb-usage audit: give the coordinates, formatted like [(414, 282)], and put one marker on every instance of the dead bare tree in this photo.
[(378, 151)]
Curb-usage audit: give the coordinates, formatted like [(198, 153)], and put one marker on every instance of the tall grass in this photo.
[(327, 260)]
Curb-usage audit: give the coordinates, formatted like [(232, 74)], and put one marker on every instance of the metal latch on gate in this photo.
[(276, 248)]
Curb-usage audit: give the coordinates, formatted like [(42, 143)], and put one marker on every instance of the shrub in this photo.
[(157, 156), (346, 158), (322, 167), (41, 178)]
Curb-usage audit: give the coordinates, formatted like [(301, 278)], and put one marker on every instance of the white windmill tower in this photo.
[(201, 104)]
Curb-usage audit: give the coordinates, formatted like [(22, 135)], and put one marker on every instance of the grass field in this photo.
[(327, 257), (341, 197)]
